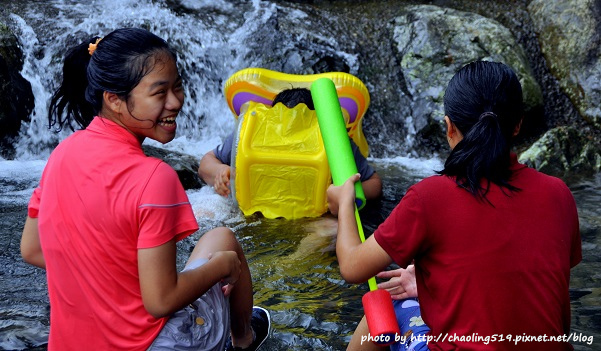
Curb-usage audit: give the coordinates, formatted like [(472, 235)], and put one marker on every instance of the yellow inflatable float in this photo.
[(279, 165)]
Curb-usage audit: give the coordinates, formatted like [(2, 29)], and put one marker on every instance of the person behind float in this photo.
[(492, 240), (215, 165), (105, 218)]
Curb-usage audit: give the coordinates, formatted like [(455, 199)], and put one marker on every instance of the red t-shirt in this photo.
[(487, 270), (100, 199)]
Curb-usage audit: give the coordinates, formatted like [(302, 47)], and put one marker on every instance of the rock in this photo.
[(570, 40), (185, 165), (404, 54), (16, 96), (564, 152), (433, 43)]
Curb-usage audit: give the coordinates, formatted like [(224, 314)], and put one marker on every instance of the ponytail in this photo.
[(484, 101), (68, 103)]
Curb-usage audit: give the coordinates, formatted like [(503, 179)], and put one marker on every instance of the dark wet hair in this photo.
[(294, 96), (484, 101), (121, 60)]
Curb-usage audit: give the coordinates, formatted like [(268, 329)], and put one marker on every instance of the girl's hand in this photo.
[(342, 195), (401, 284), (222, 181)]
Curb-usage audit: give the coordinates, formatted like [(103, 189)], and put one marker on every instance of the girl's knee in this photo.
[(221, 231), (221, 239)]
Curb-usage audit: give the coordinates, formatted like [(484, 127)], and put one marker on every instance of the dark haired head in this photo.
[(294, 96), (121, 60), (484, 101)]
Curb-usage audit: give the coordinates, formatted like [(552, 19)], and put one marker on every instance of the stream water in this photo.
[(293, 265)]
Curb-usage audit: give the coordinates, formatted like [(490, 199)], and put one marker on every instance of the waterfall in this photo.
[(210, 48)]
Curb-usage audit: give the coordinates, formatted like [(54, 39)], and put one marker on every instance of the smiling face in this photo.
[(151, 108)]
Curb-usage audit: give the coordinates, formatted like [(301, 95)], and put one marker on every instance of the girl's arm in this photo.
[(358, 261), (372, 187), (31, 250), (215, 173), (165, 291)]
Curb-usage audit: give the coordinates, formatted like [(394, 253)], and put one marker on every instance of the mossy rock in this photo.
[(568, 31), (564, 152)]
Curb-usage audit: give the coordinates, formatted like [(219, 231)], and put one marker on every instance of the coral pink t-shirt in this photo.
[(485, 271), (100, 199)]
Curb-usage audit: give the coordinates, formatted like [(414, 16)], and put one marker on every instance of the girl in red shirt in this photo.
[(492, 240), (105, 218)]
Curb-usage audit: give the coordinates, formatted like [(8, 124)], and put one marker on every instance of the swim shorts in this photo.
[(412, 326), (202, 325)]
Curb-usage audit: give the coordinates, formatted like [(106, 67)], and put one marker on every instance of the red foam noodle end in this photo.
[(381, 319)]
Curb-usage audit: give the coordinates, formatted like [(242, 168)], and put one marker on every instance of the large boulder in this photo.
[(16, 96), (570, 40), (432, 43)]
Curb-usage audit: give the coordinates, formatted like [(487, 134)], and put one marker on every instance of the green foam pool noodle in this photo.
[(335, 138)]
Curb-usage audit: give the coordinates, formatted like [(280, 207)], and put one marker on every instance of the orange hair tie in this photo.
[(92, 47)]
